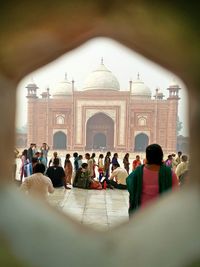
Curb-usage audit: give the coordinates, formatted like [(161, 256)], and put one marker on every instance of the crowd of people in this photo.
[(87, 172)]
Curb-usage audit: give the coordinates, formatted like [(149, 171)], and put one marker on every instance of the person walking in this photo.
[(114, 160), (68, 171), (76, 166), (24, 162), (100, 167), (136, 162), (107, 162), (126, 162)]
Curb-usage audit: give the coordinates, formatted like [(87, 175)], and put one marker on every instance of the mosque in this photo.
[(100, 116)]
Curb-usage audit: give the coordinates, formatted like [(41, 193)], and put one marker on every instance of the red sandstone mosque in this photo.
[(100, 116)]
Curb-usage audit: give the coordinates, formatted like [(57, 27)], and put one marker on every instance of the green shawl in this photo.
[(134, 185)]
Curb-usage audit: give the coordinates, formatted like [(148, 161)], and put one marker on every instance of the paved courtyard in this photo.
[(100, 209)]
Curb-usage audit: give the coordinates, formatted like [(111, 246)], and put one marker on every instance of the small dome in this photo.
[(101, 79), (32, 86), (139, 89), (62, 88), (173, 84)]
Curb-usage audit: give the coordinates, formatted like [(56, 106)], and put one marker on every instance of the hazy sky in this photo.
[(80, 62)]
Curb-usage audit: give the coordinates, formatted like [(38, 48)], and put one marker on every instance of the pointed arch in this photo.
[(100, 132), (59, 140), (141, 142)]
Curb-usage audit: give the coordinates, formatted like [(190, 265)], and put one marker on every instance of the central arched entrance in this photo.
[(100, 132), (59, 140), (141, 142), (99, 141)]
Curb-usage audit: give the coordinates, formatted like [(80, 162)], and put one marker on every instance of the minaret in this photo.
[(31, 112), (130, 85), (32, 90), (172, 117), (174, 91)]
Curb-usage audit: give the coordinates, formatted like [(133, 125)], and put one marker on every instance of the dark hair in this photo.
[(56, 161), (75, 155), (39, 167), (101, 156), (126, 156), (34, 160), (67, 156), (24, 153), (116, 165), (93, 155), (115, 154), (87, 154), (154, 154), (184, 158), (84, 165), (108, 154)]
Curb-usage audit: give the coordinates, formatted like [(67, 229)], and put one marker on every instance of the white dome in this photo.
[(62, 88), (139, 89), (101, 79)]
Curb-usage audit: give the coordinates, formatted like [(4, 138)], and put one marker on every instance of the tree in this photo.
[(179, 126)]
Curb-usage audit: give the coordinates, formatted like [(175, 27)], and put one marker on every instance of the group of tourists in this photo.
[(30, 157), (148, 178)]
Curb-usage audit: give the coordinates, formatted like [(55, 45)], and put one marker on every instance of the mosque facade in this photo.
[(102, 117)]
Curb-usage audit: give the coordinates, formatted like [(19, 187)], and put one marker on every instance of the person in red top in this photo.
[(136, 162), (147, 182)]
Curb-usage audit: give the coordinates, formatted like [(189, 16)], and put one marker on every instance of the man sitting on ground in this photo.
[(119, 174), (38, 184)]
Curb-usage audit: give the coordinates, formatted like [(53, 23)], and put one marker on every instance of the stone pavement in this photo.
[(100, 209)]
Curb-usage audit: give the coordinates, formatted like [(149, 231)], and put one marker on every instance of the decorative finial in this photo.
[(102, 61), (138, 76), (66, 76), (73, 84)]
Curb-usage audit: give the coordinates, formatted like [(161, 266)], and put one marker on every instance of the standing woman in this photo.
[(94, 164), (100, 167), (24, 161), (107, 163), (45, 149), (126, 162), (115, 160), (68, 170), (147, 182)]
